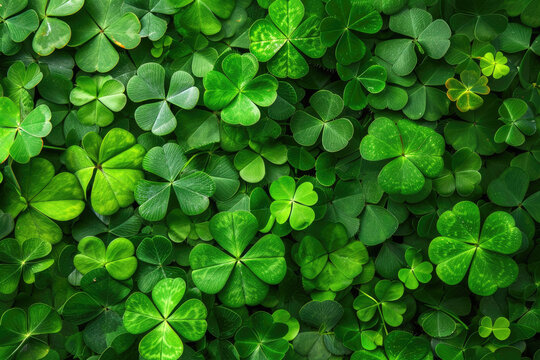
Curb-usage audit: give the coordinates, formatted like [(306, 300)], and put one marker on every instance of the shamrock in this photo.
[(15, 24), (519, 120), (98, 97), (36, 195), (20, 83), (254, 163), (359, 76), (114, 165), (94, 28), (461, 174), (499, 329), (117, 257), (494, 65), (150, 13), (240, 92), (203, 15), (417, 151), (279, 39), (293, 203), (329, 260), (307, 125), (192, 189), (384, 299), (262, 338), (22, 138), (465, 92), (398, 345), (23, 331), (24, 258), (149, 84), (345, 18), (53, 33), (429, 37), (240, 278), (479, 20), (418, 271), (462, 246), (159, 314)]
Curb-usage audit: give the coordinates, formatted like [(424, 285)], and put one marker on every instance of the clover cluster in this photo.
[(269, 179)]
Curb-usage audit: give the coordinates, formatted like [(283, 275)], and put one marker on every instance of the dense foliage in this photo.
[(269, 179)]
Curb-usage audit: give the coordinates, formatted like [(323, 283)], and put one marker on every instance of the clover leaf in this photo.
[(237, 92), (192, 189), (94, 28), (16, 25), (20, 84), (329, 260), (281, 39), (466, 93), (293, 203), (254, 163), (168, 324), (321, 117), (203, 15), (22, 258), (499, 328), (346, 18), (429, 37), (418, 271), (35, 195), (149, 84), (150, 13), (53, 33), (117, 257), (21, 137), (417, 152), (112, 165), (241, 278), (519, 121), (98, 97), (359, 76), (462, 245), (384, 300), (494, 65), (461, 174)]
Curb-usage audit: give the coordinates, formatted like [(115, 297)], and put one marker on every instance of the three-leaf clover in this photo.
[(417, 152), (500, 328), (94, 28), (150, 13), (262, 338), (118, 257), (430, 37), (21, 136), (519, 120), (149, 84), (462, 245), (384, 299), (237, 92), (20, 84), (98, 97), (114, 165), (346, 18), (466, 93), (192, 188), (494, 65), (26, 258), (239, 277), (329, 260), (282, 38), (307, 125), (53, 33), (293, 203), (15, 24), (203, 15), (461, 173), (359, 76), (417, 272), (168, 320)]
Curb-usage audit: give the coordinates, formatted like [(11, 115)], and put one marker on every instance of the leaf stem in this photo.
[(53, 147)]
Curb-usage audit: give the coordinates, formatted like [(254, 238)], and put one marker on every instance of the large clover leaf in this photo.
[(237, 91), (24, 258), (15, 25), (417, 152), (94, 28), (240, 278), (53, 33), (21, 137), (192, 189), (37, 195), (519, 121), (114, 165), (384, 299), (430, 37), (159, 314), (293, 203), (462, 245), (307, 125), (149, 84), (329, 260), (347, 17), (466, 93), (283, 38)]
